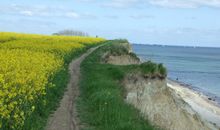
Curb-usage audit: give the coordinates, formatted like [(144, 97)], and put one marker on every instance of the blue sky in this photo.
[(170, 22)]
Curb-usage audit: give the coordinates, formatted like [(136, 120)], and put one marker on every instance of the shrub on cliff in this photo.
[(162, 71)]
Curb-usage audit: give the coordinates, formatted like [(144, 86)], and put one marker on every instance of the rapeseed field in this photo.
[(28, 64)]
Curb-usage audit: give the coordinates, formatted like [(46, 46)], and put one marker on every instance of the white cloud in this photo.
[(121, 3), (35, 10), (76, 15), (72, 15), (161, 3), (185, 3), (45, 11), (27, 13)]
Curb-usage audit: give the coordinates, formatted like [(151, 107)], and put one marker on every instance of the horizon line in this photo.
[(169, 45)]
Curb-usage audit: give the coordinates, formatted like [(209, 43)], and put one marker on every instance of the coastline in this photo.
[(207, 107), (201, 104), (210, 96)]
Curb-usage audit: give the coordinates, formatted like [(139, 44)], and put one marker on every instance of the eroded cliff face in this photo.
[(122, 60), (125, 58), (160, 105), (157, 103)]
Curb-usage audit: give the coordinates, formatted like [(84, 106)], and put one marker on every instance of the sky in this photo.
[(166, 22)]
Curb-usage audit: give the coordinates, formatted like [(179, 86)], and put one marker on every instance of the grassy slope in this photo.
[(101, 103)]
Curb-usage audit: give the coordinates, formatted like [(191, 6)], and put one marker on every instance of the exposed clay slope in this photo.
[(161, 105), (121, 56), (122, 60)]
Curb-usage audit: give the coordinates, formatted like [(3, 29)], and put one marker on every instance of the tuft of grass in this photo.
[(101, 104), (153, 70), (162, 70)]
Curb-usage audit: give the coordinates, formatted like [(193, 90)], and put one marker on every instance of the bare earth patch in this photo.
[(122, 60), (65, 117), (161, 105)]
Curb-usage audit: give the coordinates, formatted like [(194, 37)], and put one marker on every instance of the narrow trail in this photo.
[(65, 117)]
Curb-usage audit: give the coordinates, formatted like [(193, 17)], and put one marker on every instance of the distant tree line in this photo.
[(71, 33)]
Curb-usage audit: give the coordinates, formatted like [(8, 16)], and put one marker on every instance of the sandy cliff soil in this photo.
[(162, 106), (126, 58), (122, 60), (200, 103)]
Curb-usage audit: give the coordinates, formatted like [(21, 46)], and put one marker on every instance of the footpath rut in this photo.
[(65, 117)]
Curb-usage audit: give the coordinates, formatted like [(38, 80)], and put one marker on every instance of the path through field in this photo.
[(65, 117)]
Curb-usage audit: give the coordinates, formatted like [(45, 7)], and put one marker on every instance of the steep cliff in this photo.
[(145, 87), (161, 105), (120, 55)]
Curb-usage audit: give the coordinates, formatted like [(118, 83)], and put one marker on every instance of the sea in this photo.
[(197, 67)]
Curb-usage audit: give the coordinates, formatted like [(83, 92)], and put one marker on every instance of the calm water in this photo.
[(198, 67)]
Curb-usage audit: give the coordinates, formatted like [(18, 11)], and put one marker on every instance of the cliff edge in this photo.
[(145, 87), (120, 54)]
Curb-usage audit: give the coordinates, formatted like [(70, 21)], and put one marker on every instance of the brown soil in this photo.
[(122, 60), (65, 117), (161, 105)]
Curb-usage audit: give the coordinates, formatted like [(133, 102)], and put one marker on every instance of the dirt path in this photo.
[(65, 117)]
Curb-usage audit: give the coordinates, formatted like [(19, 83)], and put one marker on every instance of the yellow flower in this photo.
[(27, 64)]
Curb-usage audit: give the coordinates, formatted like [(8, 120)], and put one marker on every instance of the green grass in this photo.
[(153, 70), (101, 104), (38, 120), (119, 47)]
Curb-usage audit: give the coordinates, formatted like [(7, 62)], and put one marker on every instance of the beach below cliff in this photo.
[(206, 106)]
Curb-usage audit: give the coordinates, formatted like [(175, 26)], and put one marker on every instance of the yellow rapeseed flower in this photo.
[(27, 62)]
